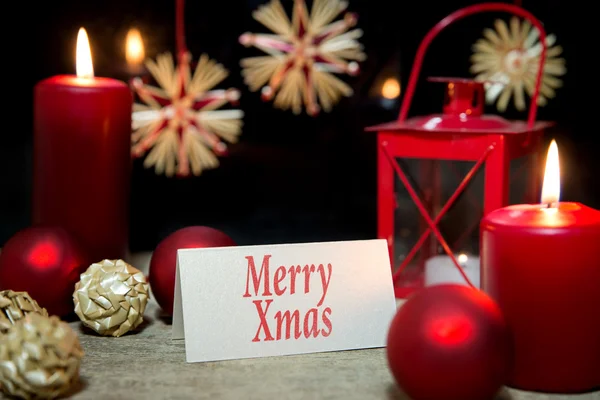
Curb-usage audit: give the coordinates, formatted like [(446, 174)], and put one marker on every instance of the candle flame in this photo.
[(83, 64), (134, 47), (462, 258), (551, 186), (391, 88)]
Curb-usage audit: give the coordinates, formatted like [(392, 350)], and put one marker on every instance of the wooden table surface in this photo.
[(147, 364)]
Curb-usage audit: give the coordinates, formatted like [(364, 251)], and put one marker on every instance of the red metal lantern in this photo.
[(435, 148)]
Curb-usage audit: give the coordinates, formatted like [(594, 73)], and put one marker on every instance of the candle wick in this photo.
[(549, 205)]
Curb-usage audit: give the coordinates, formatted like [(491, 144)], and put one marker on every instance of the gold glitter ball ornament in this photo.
[(14, 306), (40, 358), (111, 297)]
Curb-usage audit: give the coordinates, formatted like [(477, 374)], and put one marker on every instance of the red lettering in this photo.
[(293, 271), (290, 324), (289, 317), (279, 276), (262, 314), (327, 322), (324, 281), (311, 328), (307, 271), (256, 278)]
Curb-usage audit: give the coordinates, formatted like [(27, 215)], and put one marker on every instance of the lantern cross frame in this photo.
[(474, 204), (433, 223)]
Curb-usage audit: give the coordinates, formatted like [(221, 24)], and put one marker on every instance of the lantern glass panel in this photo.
[(435, 182), (525, 181)]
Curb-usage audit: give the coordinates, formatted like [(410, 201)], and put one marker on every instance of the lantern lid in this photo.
[(462, 111), (457, 122)]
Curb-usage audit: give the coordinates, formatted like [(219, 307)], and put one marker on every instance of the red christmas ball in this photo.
[(449, 342), (46, 263), (164, 259)]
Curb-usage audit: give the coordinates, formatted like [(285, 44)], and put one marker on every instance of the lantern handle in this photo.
[(460, 14)]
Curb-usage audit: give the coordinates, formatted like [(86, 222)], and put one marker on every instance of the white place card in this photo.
[(260, 301)]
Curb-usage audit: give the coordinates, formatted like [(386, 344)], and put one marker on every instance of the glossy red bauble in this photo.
[(449, 342), (164, 259), (46, 263)]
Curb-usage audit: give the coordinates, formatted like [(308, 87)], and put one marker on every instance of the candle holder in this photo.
[(438, 175)]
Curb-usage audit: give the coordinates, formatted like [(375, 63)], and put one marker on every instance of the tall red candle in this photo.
[(82, 162), (541, 263)]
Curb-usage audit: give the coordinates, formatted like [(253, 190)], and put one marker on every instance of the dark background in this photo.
[(291, 178)]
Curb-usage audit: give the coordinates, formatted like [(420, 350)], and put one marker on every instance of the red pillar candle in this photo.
[(541, 263), (82, 162)]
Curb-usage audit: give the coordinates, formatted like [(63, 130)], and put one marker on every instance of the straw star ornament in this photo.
[(179, 125), (508, 59), (303, 55)]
